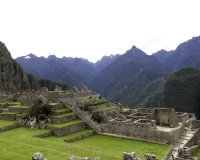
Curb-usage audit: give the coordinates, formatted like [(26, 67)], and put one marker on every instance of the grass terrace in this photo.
[(20, 144), (69, 136), (65, 124), (4, 123), (15, 103)]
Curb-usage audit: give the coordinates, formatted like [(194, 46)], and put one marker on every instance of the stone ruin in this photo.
[(58, 89), (85, 158), (150, 157), (38, 156), (130, 156), (183, 153)]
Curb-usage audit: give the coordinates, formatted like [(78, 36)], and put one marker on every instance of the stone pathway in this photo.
[(185, 137)]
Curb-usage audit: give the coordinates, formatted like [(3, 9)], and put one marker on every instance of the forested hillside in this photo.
[(182, 91)]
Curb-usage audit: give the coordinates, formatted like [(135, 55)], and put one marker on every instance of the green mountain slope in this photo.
[(144, 90), (12, 76), (182, 91)]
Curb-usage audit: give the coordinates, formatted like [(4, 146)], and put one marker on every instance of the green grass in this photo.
[(4, 123), (69, 136), (19, 144), (65, 124), (196, 153), (9, 113), (107, 108), (16, 103)]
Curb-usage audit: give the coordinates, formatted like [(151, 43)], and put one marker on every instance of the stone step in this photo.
[(67, 127), (4, 105), (8, 115), (64, 118), (58, 112), (19, 109), (9, 127), (79, 135)]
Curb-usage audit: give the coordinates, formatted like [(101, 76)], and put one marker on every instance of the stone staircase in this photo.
[(185, 137), (64, 122)]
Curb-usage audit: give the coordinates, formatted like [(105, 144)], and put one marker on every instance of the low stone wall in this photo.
[(5, 105), (8, 116), (57, 105), (46, 134), (90, 133), (9, 127), (168, 155), (60, 120), (195, 124), (18, 110), (60, 113), (67, 129)]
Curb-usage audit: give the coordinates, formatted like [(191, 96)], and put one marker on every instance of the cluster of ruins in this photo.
[(161, 125)]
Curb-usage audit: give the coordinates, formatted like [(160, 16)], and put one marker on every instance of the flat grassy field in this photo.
[(20, 144)]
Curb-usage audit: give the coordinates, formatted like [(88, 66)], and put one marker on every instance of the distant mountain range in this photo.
[(133, 78), (14, 79)]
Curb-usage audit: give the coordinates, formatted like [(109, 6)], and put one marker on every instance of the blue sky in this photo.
[(91, 28)]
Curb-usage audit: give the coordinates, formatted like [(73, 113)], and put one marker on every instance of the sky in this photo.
[(93, 28)]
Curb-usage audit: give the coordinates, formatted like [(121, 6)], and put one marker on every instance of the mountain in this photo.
[(187, 54), (162, 55), (182, 91), (54, 69), (14, 79), (113, 82), (104, 62)]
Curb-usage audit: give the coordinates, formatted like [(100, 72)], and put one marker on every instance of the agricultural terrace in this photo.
[(21, 144)]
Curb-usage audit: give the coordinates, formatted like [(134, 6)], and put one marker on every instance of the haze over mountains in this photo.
[(133, 78)]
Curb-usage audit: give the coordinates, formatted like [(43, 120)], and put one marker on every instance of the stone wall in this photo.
[(144, 131), (166, 116), (46, 134), (195, 124), (60, 120), (67, 129), (28, 99), (18, 110), (9, 127), (8, 116)]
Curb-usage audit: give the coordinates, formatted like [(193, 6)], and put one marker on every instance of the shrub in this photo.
[(98, 117), (42, 117)]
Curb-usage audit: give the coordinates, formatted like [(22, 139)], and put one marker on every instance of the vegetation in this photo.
[(41, 110), (182, 91), (98, 117), (20, 144)]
